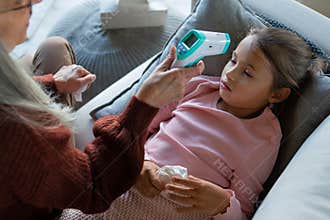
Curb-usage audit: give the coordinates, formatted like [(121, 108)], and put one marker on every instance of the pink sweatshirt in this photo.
[(234, 153)]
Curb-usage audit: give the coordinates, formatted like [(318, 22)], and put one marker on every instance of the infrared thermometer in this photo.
[(197, 44)]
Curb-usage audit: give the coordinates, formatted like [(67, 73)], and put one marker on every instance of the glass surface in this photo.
[(191, 40)]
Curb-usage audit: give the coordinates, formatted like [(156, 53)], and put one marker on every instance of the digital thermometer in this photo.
[(197, 44)]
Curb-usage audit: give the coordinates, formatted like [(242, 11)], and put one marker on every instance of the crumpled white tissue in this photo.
[(165, 175), (77, 94)]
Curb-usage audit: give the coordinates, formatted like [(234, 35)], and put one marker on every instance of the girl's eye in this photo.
[(247, 74)]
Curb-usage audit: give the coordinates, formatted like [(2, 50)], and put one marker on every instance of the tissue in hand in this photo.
[(78, 94), (167, 172), (165, 175)]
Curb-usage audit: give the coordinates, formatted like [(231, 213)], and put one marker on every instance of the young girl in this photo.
[(223, 131)]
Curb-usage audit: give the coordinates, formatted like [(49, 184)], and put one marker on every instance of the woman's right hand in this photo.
[(148, 183), (165, 85)]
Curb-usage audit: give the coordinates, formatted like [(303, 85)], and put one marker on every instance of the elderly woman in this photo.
[(52, 64), (41, 172)]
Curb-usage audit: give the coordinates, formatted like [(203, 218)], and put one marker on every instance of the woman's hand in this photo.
[(200, 195), (165, 85), (148, 183), (72, 78)]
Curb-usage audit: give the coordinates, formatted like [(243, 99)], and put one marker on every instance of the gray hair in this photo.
[(19, 92)]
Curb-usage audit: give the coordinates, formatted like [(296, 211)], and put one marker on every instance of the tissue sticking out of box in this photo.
[(117, 14)]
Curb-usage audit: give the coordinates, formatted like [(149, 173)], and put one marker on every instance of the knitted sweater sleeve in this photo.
[(43, 170), (47, 82)]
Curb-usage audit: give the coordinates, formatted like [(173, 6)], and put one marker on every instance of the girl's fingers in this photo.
[(181, 190), (190, 182), (180, 199), (192, 177)]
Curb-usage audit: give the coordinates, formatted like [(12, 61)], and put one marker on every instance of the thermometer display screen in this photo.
[(191, 40)]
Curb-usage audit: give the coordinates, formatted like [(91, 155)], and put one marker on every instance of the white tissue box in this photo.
[(132, 13)]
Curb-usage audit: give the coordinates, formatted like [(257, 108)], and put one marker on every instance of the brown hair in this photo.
[(290, 56)]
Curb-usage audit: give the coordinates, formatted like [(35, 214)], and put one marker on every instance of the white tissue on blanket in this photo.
[(166, 173)]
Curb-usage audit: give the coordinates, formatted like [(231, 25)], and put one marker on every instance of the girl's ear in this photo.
[(279, 95)]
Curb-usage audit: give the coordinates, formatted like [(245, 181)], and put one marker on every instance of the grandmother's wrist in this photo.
[(59, 85)]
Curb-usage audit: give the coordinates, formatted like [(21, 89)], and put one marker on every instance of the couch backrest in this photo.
[(292, 15)]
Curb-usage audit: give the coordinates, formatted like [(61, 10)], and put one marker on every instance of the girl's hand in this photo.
[(148, 183), (202, 196)]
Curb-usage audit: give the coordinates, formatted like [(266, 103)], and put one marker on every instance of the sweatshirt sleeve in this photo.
[(233, 212), (45, 171)]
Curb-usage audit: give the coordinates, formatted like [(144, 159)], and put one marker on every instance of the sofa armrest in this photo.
[(302, 191), (84, 123)]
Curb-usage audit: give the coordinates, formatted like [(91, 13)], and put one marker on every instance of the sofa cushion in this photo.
[(299, 116), (302, 191), (309, 24)]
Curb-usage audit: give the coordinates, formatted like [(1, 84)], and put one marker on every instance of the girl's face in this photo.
[(246, 81)]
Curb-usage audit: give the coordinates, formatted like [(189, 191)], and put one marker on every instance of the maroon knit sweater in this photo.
[(41, 173)]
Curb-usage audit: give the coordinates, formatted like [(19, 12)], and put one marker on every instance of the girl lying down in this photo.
[(223, 131)]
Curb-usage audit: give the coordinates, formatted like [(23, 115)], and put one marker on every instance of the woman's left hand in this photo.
[(72, 78), (200, 195)]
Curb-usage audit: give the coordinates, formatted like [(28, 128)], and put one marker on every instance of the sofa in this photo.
[(299, 185)]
